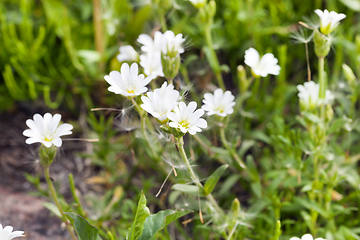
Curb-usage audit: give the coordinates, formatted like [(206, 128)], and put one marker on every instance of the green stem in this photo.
[(216, 65), (239, 163), (322, 84), (210, 198), (143, 130), (162, 20), (54, 196), (313, 212)]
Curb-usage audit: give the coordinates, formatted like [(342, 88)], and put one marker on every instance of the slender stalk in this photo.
[(54, 196), (143, 129), (239, 163), (216, 65), (313, 212), (308, 61), (210, 198), (322, 84), (162, 20), (98, 29)]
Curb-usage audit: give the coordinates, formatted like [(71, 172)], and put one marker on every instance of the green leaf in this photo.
[(84, 230), (156, 222), (352, 4), (142, 213), (189, 189), (214, 178), (53, 208)]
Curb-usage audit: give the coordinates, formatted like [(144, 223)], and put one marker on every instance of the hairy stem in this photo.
[(54, 196), (210, 198), (239, 163)]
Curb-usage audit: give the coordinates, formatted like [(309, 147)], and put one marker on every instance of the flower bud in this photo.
[(322, 44), (235, 207), (349, 74), (329, 113), (47, 155), (243, 81), (170, 65), (207, 13)]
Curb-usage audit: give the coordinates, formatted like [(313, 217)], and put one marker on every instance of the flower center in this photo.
[(184, 124), (220, 109), (130, 91), (48, 139)]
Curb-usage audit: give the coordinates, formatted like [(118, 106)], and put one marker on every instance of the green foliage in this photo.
[(83, 229), (141, 215)]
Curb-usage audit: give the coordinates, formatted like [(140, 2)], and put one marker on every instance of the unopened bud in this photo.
[(243, 82), (349, 74), (322, 44), (170, 65), (329, 112), (47, 155), (235, 207)]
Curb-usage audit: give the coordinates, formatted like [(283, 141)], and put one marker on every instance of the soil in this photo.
[(18, 207)]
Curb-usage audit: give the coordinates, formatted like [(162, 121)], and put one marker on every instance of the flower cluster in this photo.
[(46, 130), (309, 95), (329, 20), (219, 103), (128, 82), (7, 233), (161, 102), (263, 66)]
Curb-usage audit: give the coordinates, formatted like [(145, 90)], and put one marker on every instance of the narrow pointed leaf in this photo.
[(84, 230), (214, 178), (142, 213), (189, 189)]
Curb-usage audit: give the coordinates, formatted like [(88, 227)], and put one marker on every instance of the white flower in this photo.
[(161, 102), (7, 233), (172, 45), (46, 130), (219, 103), (127, 53), (187, 119), (151, 63), (264, 66), (150, 45), (127, 82), (306, 237), (198, 3), (329, 20), (309, 95)]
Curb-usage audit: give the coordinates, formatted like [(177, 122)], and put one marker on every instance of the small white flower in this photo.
[(151, 63), (127, 53), (150, 45), (306, 237), (46, 130), (264, 66), (7, 233), (172, 45), (187, 119), (161, 102), (309, 95), (329, 20), (127, 82), (219, 103)]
